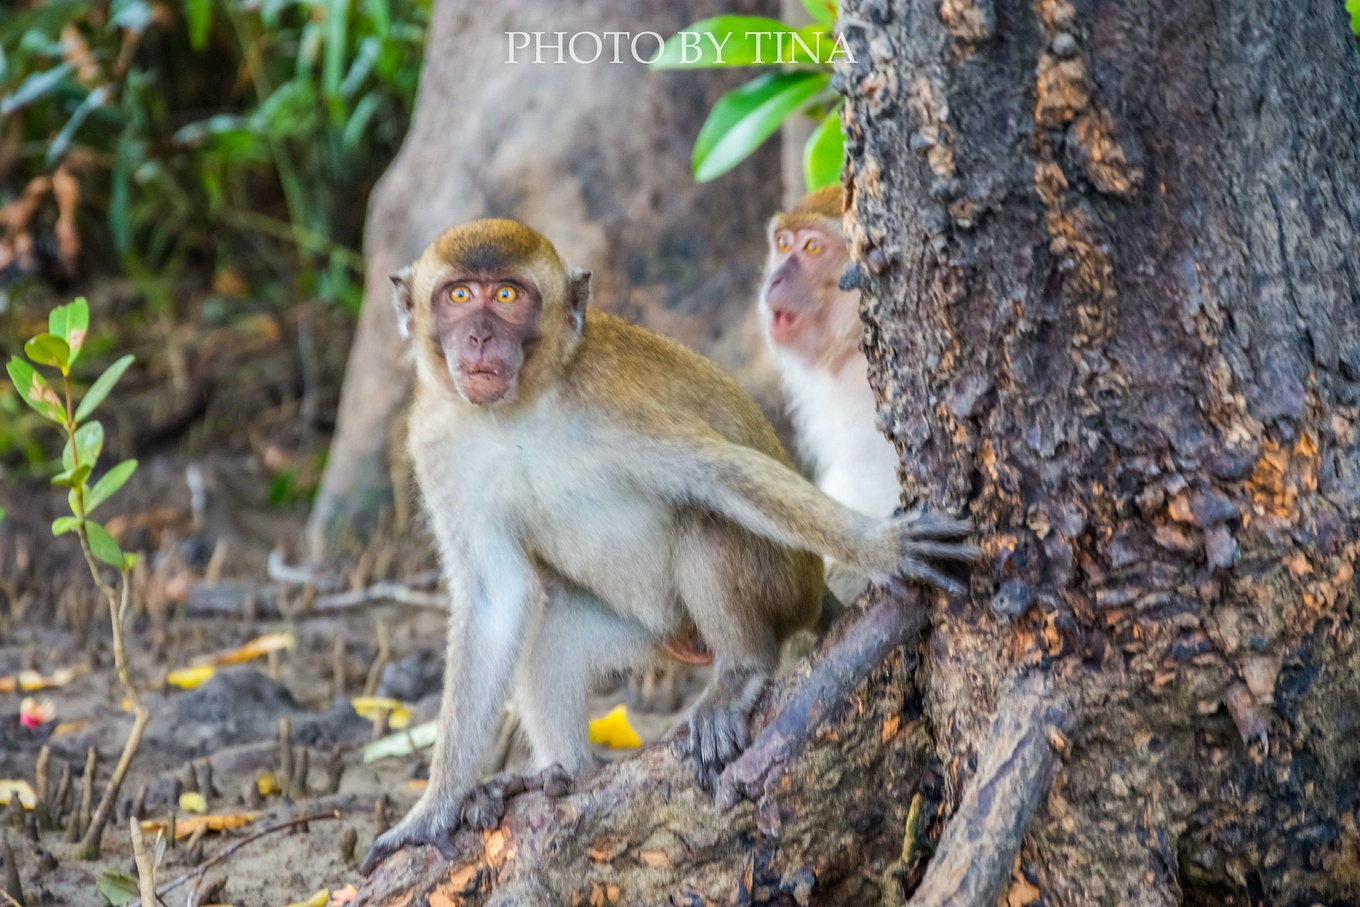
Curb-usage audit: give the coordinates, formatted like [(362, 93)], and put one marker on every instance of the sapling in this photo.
[(59, 348)]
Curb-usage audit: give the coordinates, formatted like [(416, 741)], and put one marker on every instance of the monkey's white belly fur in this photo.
[(586, 526)]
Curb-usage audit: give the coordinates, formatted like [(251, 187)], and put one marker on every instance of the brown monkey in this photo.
[(813, 330), (595, 490)]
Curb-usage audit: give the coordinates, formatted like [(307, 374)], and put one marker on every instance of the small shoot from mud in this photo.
[(59, 348)]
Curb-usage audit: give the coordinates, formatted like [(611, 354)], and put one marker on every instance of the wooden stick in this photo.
[(89, 845), (146, 864), (231, 849)]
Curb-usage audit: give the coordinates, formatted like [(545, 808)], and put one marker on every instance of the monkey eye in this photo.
[(460, 293), (507, 294), (813, 247), (781, 242)]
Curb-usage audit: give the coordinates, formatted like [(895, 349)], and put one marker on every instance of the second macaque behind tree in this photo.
[(597, 491), (813, 329)]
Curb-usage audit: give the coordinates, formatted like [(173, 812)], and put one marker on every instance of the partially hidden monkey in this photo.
[(813, 330), (597, 491)]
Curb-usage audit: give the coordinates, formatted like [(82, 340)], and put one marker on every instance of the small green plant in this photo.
[(799, 82), (67, 327)]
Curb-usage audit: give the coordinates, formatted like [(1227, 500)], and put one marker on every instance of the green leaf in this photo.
[(746, 116), (101, 387), (333, 67), (64, 524), (89, 442), (94, 100), (1353, 7), (822, 11), (49, 349), (109, 483), (72, 477), (824, 152), (199, 15), (102, 544), (130, 560), (70, 322), (35, 87), (35, 390), (117, 888), (743, 41)]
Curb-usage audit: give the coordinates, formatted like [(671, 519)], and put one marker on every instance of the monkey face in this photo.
[(483, 326), (803, 310), (492, 312)]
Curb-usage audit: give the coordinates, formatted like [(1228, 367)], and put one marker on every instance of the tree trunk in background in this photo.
[(1109, 259), (596, 157), (1113, 310)]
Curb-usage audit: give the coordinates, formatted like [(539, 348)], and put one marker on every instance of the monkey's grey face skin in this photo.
[(484, 326), (800, 298)]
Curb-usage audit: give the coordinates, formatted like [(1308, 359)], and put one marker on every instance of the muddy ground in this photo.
[(229, 418)]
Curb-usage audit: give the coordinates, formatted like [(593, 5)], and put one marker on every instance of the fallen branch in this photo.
[(226, 852), (642, 831), (146, 864), (838, 670), (236, 599), (973, 861)]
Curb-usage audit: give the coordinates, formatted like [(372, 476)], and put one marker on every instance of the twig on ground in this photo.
[(146, 864), (226, 852)]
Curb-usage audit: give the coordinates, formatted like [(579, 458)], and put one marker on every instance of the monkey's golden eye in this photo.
[(813, 247), (460, 293), (781, 242), (507, 295)]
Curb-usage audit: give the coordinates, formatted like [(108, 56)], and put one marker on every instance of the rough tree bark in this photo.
[(1112, 308), (594, 156)]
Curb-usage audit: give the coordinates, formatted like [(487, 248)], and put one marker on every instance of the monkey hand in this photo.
[(432, 821), (911, 546)]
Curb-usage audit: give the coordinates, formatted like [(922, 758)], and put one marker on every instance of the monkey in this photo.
[(597, 491), (813, 329)]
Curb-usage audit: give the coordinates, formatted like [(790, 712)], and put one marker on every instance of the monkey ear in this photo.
[(578, 296), (403, 301)]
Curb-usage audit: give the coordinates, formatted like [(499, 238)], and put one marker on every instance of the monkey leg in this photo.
[(743, 593), (578, 639)]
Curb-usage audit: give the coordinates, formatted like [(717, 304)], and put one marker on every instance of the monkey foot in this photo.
[(717, 736), (484, 806), (424, 824)]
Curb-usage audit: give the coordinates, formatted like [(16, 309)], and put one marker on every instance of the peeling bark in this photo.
[(1110, 312)]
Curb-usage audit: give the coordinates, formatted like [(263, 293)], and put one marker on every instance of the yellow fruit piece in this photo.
[(11, 788), (267, 783), (342, 896), (192, 802), (320, 899), (262, 645), (398, 714), (190, 824), (188, 678), (614, 731)]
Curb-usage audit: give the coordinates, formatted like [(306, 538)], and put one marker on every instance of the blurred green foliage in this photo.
[(238, 136)]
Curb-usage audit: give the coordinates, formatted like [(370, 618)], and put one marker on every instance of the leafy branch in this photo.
[(800, 82)]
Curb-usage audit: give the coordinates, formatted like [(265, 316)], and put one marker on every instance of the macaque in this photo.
[(813, 331), (597, 493)]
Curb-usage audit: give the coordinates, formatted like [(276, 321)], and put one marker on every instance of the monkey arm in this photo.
[(771, 500)]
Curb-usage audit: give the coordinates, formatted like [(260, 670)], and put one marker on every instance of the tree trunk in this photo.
[(1112, 310), (596, 157)]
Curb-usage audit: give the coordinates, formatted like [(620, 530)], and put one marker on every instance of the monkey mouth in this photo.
[(482, 384), (783, 325)]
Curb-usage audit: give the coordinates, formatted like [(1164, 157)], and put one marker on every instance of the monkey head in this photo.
[(491, 311), (804, 312)]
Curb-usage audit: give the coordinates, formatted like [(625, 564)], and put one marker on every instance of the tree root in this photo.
[(973, 861)]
